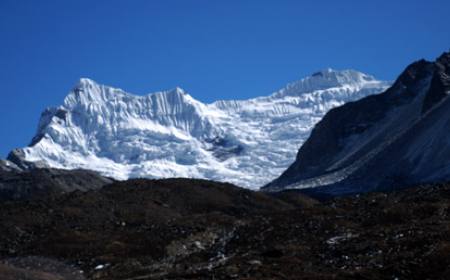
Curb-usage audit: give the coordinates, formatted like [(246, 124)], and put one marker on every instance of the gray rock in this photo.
[(16, 183)]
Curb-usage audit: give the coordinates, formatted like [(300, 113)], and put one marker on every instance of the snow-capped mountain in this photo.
[(170, 134), (381, 142)]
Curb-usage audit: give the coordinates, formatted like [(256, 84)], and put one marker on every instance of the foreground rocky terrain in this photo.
[(16, 184), (195, 229)]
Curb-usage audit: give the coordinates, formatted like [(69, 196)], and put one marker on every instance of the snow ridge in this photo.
[(170, 134)]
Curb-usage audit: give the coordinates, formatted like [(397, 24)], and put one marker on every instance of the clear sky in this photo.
[(213, 49)]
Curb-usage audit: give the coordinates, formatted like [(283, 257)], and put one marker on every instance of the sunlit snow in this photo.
[(170, 134)]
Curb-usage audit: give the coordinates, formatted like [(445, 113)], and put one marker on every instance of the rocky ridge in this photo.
[(381, 142)]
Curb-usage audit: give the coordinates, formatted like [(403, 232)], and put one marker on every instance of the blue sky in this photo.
[(213, 49)]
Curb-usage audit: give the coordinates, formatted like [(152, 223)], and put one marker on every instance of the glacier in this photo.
[(171, 134)]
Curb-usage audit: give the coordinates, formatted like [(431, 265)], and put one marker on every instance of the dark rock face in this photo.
[(195, 229), (19, 184), (440, 83), (7, 166), (381, 141), (17, 157), (223, 148)]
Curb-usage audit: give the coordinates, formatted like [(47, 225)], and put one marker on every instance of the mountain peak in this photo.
[(170, 134), (179, 90), (86, 81), (341, 77), (330, 78), (84, 84), (87, 91), (444, 56), (323, 72)]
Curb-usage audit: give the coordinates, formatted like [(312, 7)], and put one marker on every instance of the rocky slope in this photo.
[(194, 229), (386, 141), (18, 185), (170, 134)]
